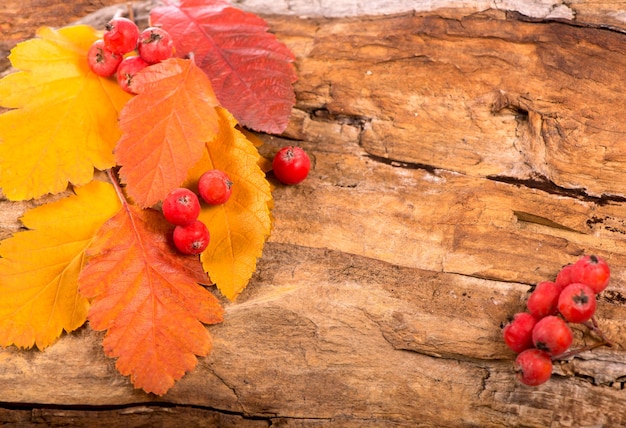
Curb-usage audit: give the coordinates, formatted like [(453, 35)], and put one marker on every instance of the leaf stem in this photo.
[(593, 326), (577, 351), (116, 185)]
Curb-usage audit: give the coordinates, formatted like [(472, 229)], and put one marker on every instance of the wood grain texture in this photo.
[(458, 159)]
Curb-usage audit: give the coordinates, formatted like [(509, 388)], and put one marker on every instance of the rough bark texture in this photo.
[(458, 158)]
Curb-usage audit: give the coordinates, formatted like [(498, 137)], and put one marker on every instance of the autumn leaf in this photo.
[(148, 299), (39, 267), (239, 227), (249, 68), (264, 163), (164, 129), (64, 117)]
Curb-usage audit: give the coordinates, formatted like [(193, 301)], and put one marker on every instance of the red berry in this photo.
[(564, 277), (121, 35), (155, 45), (101, 60), (127, 70), (181, 207), (192, 238), (534, 367), (577, 303), (215, 187), (592, 271), (291, 165), (553, 335), (544, 299), (518, 334)]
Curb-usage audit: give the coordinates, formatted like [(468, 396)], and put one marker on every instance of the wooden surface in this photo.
[(458, 158)]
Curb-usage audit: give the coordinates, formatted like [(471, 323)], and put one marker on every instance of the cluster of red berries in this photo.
[(543, 334), (181, 207), (125, 50)]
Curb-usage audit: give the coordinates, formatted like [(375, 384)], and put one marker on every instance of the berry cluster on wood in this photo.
[(181, 208), (542, 334), (112, 53)]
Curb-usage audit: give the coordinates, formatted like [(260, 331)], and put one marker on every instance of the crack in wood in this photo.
[(548, 186), (402, 164), (542, 221), (515, 15), (323, 114)]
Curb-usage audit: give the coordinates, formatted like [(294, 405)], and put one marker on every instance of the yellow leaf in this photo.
[(64, 121), (264, 163), (239, 227), (39, 267)]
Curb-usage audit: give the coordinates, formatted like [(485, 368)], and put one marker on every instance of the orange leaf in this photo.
[(147, 298), (164, 129)]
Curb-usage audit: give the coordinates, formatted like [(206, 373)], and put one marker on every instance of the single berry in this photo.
[(101, 60), (121, 35), (564, 277), (192, 238), (127, 70), (534, 367), (181, 207), (291, 165), (544, 299), (553, 335), (592, 271), (518, 334), (155, 45), (215, 187), (577, 303)]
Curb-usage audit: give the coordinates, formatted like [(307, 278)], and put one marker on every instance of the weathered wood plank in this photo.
[(345, 353), (481, 95), (124, 417), (457, 160)]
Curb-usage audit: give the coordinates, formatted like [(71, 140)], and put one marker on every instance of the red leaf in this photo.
[(250, 70), (165, 128), (148, 299)]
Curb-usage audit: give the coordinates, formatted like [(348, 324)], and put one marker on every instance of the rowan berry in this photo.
[(215, 187), (192, 238), (534, 367), (181, 207), (155, 45), (592, 271), (553, 335), (121, 35), (101, 60), (564, 277), (544, 299), (518, 334), (291, 165), (577, 303), (127, 70)]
